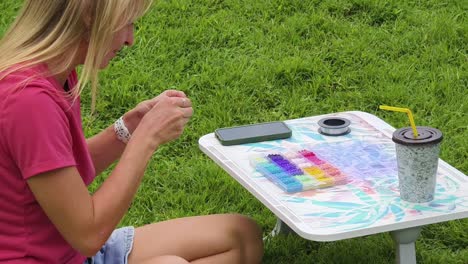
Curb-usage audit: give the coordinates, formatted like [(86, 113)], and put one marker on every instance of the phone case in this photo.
[(269, 134)]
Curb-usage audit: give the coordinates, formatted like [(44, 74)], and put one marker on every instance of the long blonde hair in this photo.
[(51, 30)]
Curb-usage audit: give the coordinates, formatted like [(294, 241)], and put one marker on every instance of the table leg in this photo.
[(404, 242), (281, 228)]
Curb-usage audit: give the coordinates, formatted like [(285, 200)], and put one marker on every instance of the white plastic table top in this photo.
[(340, 212)]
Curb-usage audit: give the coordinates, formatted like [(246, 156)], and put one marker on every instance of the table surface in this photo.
[(362, 207)]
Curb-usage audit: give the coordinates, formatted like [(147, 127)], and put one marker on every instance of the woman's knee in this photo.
[(247, 227), (248, 232)]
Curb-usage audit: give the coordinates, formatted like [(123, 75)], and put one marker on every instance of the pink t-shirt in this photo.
[(40, 130)]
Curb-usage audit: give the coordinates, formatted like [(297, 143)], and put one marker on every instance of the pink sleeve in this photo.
[(38, 133)]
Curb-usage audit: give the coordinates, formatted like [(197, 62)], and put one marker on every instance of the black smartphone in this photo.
[(253, 133)]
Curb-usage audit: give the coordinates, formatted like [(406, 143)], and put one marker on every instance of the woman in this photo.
[(46, 212)]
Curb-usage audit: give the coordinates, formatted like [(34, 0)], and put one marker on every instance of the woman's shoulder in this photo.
[(20, 77), (28, 82)]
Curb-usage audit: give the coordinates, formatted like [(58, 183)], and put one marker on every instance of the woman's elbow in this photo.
[(89, 246)]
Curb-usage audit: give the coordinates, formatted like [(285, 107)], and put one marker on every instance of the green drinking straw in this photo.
[(404, 110)]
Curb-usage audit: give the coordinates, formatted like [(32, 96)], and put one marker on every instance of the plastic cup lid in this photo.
[(427, 135)]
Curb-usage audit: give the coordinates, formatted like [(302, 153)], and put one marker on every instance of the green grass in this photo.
[(253, 61)]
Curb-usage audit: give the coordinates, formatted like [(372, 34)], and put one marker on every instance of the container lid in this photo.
[(334, 126), (427, 135)]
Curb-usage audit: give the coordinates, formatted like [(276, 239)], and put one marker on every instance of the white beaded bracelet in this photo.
[(121, 130)]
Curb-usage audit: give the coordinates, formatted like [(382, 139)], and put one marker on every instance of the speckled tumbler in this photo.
[(417, 160)]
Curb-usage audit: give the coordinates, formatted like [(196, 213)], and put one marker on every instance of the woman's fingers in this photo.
[(185, 102), (174, 93), (167, 93), (187, 112)]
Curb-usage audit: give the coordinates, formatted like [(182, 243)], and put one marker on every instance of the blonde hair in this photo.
[(52, 30)]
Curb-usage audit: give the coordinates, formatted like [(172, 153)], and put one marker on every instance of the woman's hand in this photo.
[(164, 119), (133, 117)]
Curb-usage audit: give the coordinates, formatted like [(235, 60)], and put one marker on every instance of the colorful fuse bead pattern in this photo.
[(298, 171)]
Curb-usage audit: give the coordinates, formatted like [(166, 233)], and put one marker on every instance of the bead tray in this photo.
[(298, 171)]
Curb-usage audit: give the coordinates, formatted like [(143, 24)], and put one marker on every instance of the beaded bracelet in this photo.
[(121, 130)]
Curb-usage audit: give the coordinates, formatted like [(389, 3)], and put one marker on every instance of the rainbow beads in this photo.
[(297, 171)]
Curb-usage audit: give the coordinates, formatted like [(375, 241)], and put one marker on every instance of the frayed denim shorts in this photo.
[(116, 249)]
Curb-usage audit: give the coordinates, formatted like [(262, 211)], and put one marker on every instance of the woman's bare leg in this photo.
[(165, 260), (227, 238)]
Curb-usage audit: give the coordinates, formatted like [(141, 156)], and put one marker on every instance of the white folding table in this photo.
[(362, 207)]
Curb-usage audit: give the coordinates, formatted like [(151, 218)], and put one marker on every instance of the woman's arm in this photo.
[(86, 221), (105, 148)]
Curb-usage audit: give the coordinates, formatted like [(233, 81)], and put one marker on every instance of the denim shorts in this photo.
[(116, 249)]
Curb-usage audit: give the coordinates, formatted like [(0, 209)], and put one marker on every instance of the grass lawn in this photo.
[(254, 61)]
